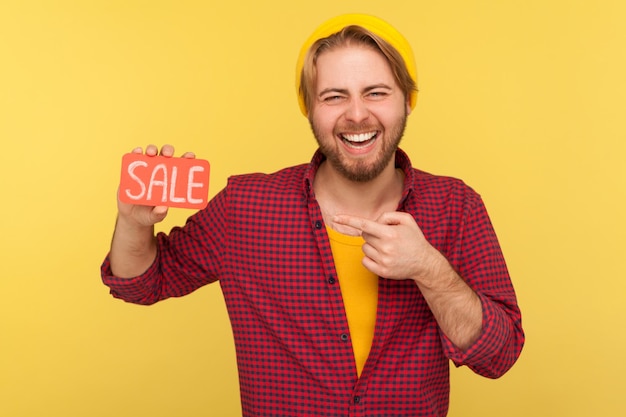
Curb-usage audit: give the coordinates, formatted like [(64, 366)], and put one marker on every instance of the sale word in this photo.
[(162, 181)]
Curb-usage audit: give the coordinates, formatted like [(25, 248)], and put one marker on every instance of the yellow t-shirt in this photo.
[(359, 289)]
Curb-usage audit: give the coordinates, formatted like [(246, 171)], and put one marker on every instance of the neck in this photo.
[(338, 195)]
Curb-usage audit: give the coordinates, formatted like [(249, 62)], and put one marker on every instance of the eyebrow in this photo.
[(377, 86), (333, 90), (344, 91)]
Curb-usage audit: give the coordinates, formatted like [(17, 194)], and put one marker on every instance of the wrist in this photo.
[(438, 275)]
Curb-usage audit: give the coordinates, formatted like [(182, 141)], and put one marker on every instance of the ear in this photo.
[(408, 106)]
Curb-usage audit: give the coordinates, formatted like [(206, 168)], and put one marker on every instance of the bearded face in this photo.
[(359, 112)]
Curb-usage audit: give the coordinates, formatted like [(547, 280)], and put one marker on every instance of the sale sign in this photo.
[(162, 181)]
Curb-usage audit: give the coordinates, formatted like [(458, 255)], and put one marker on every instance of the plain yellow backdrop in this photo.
[(524, 100)]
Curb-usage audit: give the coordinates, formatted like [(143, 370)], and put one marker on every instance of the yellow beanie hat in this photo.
[(373, 24)]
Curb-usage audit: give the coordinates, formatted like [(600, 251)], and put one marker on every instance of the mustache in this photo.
[(357, 127)]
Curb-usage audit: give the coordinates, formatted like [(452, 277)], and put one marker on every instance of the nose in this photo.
[(357, 110)]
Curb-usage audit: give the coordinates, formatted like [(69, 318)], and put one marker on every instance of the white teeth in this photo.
[(362, 137)]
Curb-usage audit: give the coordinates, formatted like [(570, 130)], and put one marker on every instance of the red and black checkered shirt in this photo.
[(264, 239)]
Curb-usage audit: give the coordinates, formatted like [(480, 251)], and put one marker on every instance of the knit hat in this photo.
[(373, 24)]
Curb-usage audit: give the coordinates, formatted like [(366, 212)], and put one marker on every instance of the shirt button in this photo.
[(331, 279), (318, 224), (344, 337), (357, 399)]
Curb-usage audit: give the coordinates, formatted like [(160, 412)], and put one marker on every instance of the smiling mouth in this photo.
[(360, 140)]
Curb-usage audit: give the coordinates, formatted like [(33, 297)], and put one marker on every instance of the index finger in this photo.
[(359, 223)]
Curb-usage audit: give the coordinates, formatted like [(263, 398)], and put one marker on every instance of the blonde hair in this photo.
[(348, 36)]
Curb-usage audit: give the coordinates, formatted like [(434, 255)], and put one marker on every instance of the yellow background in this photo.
[(525, 100)]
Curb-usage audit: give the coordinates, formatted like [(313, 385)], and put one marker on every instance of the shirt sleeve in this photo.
[(478, 259), (188, 258)]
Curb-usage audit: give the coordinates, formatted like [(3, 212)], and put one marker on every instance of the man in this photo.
[(352, 281)]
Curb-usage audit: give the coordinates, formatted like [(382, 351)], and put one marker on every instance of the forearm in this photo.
[(133, 248), (455, 306)]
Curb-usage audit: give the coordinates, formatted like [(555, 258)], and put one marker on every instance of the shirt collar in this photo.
[(402, 161)]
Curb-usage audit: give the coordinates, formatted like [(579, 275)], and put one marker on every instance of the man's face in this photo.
[(358, 113)]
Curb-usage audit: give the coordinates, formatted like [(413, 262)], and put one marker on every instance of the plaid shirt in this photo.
[(264, 239)]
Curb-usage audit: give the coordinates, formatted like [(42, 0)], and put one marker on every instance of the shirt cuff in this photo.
[(136, 290), (494, 334)]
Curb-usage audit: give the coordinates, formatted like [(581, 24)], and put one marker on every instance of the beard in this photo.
[(360, 170)]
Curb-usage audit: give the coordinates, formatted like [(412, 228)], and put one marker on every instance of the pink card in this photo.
[(161, 181)]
